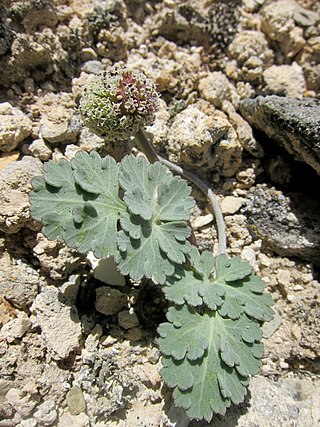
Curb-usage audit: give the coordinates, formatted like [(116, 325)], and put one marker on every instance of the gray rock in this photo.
[(92, 67), (46, 413), (109, 301), (292, 123), (15, 184), (284, 402), (75, 400), (59, 323), (67, 131), (19, 282), (288, 225), (15, 126)]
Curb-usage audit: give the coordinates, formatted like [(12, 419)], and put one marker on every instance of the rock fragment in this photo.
[(15, 184), (75, 400), (109, 301), (285, 80), (292, 123), (15, 127), (288, 225), (59, 323)]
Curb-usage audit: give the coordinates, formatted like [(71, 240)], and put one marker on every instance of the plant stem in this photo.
[(144, 145)]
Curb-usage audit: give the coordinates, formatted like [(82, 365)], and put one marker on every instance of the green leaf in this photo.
[(220, 282), (78, 203), (155, 231), (151, 191), (208, 359), (186, 335)]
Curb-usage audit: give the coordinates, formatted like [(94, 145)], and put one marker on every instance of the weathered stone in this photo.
[(38, 148), (216, 88), (231, 204), (288, 225), (16, 328), (59, 323), (198, 138), (75, 400), (285, 80), (15, 126), (46, 413), (15, 184), (21, 401), (109, 301), (292, 123), (19, 282), (275, 403), (127, 320)]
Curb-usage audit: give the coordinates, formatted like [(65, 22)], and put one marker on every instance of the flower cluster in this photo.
[(118, 102)]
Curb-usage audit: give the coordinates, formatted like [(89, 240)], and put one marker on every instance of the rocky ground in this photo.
[(75, 351)]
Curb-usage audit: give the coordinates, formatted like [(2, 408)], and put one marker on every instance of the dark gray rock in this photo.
[(292, 123), (287, 224)]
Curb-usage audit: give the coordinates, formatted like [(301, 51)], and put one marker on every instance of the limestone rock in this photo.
[(215, 88), (59, 323), (46, 413), (204, 140), (251, 52), (15, 127), (19, 282), (274, 403), (15, 183), (16, 328), (38, 148), (231, 204), (288, 225), (292, 123), (285, 80), (279, 18), (21, 401)]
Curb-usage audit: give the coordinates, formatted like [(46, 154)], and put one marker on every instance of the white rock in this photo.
[(202, 221), (68, 420), (59, 323), (285, 80), (21, 401), (230, 205), (15, 127), (39, 149), (16, 328), (46, 413), (106, 270), (216, 88)]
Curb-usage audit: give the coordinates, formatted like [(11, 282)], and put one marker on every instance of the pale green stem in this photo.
[(144, 145)]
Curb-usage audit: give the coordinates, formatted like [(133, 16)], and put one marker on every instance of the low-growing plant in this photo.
[(138, 212)]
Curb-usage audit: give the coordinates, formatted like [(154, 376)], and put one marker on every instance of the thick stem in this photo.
[(144, 145)]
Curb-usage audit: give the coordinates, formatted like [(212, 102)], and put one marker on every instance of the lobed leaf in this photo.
[(220, 282), (229, 350), (155, 230), (78, 203)]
